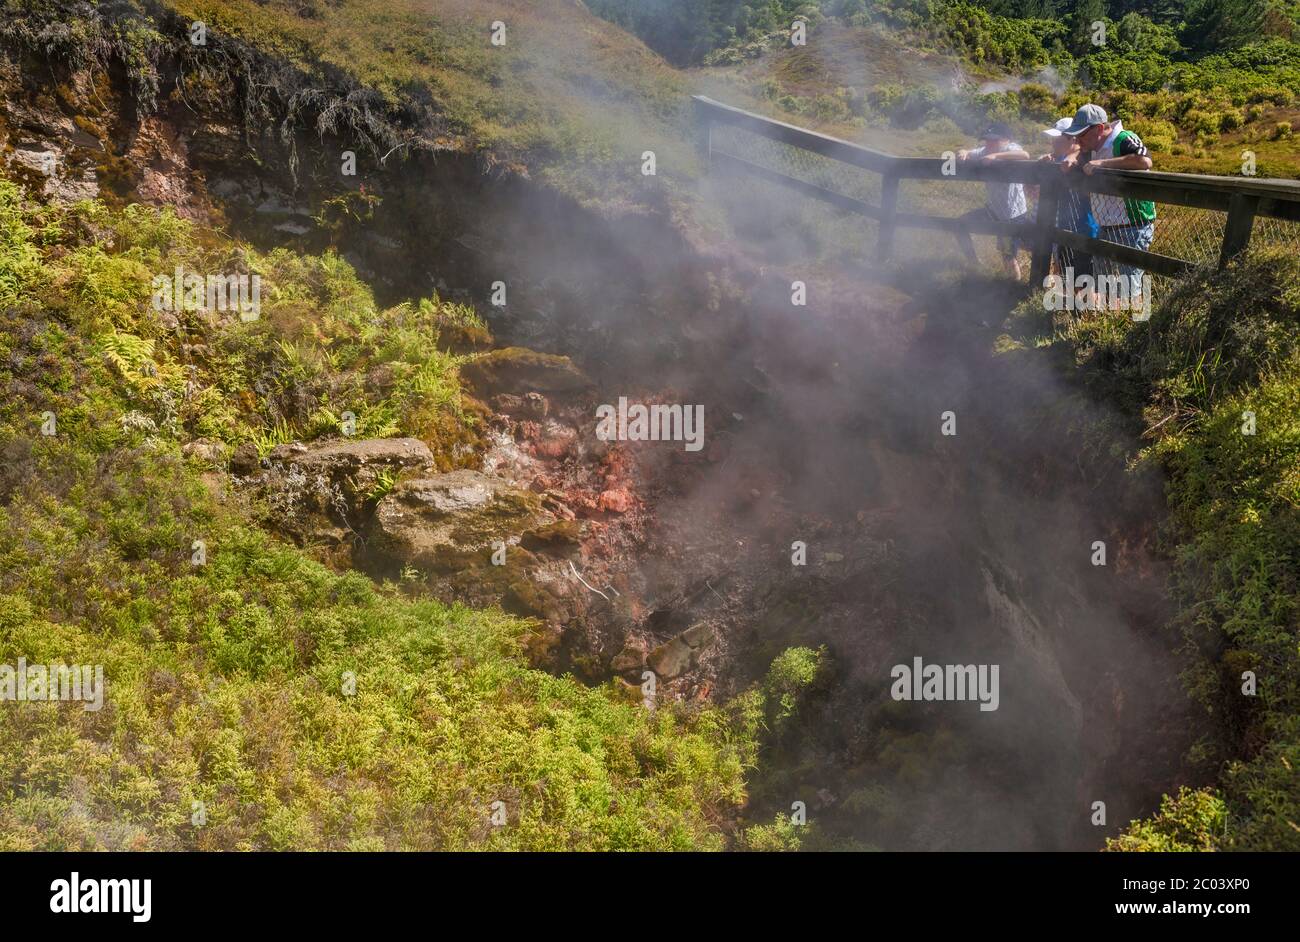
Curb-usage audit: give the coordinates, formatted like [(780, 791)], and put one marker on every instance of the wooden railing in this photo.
[(1244, 199)]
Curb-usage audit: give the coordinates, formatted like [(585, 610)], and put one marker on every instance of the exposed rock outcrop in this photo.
[(346, 459), (319, 493), (448, 522), (675, 657), (474, 538)]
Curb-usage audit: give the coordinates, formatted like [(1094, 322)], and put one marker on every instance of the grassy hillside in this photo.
[(920, 89), (228, 682)]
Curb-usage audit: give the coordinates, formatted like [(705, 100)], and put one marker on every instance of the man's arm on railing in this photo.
[(1127, 162), (978, 156), (1012, 154)]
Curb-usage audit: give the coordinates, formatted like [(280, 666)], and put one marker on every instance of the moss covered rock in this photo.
[(518, 371)]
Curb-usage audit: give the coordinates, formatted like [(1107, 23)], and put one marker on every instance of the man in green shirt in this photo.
[(1106, 145)]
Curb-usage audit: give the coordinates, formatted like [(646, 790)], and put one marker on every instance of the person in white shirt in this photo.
[(1005, 202)]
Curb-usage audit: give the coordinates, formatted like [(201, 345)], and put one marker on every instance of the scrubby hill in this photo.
[(259, 700), (1201, 81), (1214, 380)]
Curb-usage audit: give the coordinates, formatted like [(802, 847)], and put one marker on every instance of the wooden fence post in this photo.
[(703, 135), (888, 215), (1049, 197), (1241, 221)]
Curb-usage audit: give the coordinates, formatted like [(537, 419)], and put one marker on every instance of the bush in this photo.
[(1037, 102), (1281, 97), (1159, 136), (781, 835), (1190, 821), (793, 673)]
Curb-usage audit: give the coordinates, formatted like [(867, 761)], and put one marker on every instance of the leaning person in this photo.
[(1106, 145), (1005, 202), (1073, 211)]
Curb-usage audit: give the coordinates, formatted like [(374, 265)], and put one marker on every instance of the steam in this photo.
[(1047, 76), (824, 428)]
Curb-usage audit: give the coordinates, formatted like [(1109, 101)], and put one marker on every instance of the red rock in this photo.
[(556, 441), (616, 500)]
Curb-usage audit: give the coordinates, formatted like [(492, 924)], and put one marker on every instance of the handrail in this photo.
[(833, 147), (1242, 199)]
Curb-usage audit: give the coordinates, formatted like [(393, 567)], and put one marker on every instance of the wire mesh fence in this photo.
[(807, 227), (962, 199), (1278, 233), (794, 229)]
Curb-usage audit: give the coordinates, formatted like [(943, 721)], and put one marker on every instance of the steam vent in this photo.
[(866, 427)]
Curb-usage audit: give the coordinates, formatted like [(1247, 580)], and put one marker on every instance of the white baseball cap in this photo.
[(1059, 128)]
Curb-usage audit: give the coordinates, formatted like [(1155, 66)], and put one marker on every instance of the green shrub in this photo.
[(781, 835), (1037, 102), (1159, 136), (1201, 123), (791, 675), (1189, 821)]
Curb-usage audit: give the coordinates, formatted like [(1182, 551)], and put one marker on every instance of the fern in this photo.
[(132, 357), (281, 433)]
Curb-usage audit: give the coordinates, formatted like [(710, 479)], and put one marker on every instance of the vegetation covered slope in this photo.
[(566, 96), (1214, 377), (110, 507), (260, 700)]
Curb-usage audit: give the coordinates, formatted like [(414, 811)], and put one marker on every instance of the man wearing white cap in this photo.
[(1073, 211), (1005, 201), (1107, 145)]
